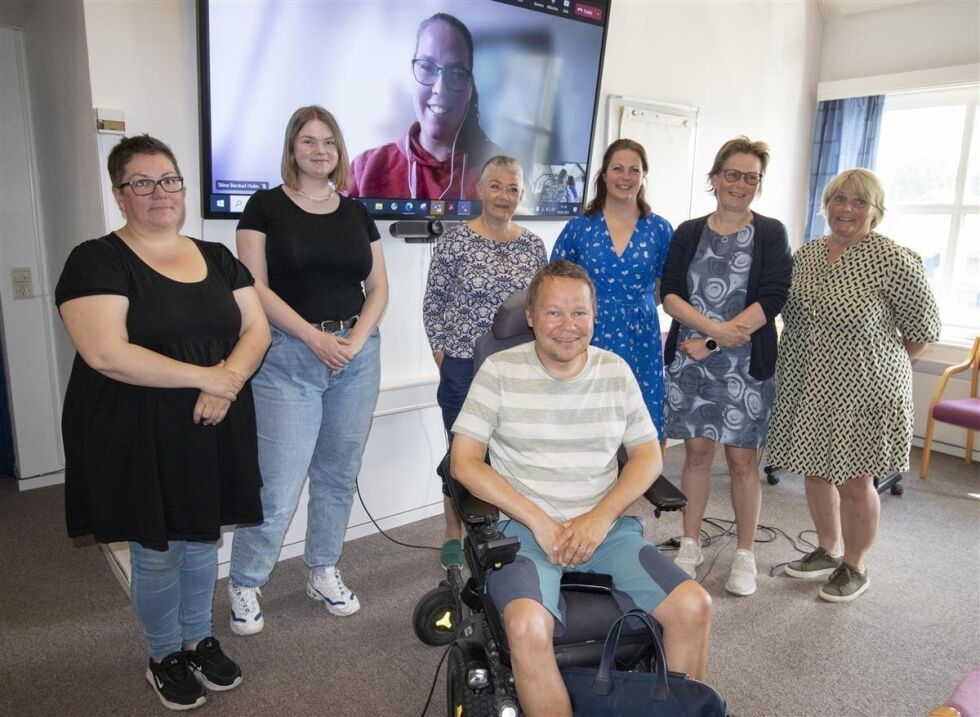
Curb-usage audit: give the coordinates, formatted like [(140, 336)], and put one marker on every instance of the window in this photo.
[(928, 163)]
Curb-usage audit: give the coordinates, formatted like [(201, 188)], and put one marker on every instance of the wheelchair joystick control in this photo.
[(477, 679)]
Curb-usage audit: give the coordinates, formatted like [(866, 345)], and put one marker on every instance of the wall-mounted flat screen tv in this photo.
[(424, 91)]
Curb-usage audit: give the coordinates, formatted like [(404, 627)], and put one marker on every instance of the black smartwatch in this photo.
[(711, 344)]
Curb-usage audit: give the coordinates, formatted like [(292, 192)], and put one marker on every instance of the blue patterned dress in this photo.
[(627, 323)]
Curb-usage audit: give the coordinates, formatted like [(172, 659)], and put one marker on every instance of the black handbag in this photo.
[(606, 691)]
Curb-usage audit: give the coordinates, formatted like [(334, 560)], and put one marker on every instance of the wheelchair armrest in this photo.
[(471, 510), (665, 495), (489, 546)]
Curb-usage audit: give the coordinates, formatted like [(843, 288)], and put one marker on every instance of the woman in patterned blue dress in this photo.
[(475, 266), (623, 246), (726, 278)]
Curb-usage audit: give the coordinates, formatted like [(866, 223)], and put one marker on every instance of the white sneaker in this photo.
[(246, 615), (689, 557), (741, 581), (329, 587)]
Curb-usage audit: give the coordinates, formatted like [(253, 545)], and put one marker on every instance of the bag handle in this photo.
[(603, 682)]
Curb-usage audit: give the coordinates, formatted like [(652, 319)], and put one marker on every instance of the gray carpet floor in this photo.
[(70, 644)]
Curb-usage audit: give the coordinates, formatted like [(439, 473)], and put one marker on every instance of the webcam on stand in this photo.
[(418, 231)]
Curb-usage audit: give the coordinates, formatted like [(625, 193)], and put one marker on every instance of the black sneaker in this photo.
[(212, 667), (174, 683)]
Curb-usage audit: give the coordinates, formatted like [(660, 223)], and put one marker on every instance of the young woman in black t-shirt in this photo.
[(320, 273)]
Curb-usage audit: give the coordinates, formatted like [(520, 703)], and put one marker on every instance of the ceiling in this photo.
[(840, 8)]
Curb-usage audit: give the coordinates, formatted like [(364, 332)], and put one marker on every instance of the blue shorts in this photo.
[(642, 576)]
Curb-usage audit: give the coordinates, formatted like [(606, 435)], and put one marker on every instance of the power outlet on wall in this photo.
[(23, 282)]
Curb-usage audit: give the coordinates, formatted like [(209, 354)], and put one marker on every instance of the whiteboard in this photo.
[(668, 133)]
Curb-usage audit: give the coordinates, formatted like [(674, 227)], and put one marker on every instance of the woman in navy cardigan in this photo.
[(726, 278)]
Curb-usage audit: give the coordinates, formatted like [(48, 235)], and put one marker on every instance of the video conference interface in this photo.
[(534, 75)]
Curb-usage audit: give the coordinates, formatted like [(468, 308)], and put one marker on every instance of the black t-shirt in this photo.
[(316, 262)]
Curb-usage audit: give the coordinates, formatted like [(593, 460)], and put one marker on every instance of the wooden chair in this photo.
[(963, 412)]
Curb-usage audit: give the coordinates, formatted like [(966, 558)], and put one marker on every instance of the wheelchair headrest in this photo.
[(509, 329), (510, 320)]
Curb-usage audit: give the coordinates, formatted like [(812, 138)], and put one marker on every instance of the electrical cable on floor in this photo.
[(435, 679), (357, 485), (726, 528)]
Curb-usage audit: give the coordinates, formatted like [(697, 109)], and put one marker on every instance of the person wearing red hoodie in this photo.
[(443, 152)]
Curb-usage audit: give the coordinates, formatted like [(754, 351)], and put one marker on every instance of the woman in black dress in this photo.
[(158, 423)]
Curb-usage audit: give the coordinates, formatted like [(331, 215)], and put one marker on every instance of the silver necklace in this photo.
[(331, 190)]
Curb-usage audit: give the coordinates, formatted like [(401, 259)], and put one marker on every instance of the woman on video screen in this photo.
[(444, 150)]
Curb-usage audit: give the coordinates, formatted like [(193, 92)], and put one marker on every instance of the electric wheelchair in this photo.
[(479, 681)]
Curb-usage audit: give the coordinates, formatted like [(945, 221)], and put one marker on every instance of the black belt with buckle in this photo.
[(329, 326)]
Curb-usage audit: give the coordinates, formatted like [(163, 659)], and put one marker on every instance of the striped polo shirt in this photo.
[(555, 440)]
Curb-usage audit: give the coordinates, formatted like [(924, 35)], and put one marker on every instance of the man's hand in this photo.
[(583, 534), (552, 537)]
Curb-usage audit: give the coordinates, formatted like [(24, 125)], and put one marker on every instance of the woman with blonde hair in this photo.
[(320, 273), (859, 310)]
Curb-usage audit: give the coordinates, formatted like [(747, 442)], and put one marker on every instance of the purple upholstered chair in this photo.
[(963, 412)]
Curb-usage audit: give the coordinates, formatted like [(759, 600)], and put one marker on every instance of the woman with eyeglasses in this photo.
[(320, 274), (623, 245), (859, 310), (726, 278), (443, 152), (475, 266), (158, 421)]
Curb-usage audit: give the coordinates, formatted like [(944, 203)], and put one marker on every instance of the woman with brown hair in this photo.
[(623, 245)]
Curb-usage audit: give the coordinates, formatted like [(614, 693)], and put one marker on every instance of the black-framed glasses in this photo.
[(143, 187), (733, 175), (456, 77)]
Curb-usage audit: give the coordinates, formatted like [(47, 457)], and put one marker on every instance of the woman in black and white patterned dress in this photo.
[(725, 280), (859, 310), (475, 267)]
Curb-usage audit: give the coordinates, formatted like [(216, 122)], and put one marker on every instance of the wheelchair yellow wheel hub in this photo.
[(446, 621)]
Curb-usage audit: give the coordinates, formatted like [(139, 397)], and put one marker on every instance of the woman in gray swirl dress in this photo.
[(726, 278)]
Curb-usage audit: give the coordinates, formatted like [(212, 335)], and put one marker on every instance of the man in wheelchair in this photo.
[(553, 414)]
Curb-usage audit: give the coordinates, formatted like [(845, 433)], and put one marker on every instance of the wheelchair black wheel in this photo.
[(436, 617), (461, 699)]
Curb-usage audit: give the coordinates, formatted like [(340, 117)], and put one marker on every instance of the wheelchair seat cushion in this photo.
[(642, 577)]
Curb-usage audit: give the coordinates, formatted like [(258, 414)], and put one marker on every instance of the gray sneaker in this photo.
[(845, 584), (813, 565)]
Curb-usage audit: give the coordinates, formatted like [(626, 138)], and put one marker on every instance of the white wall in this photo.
[(919, 36), (750, 67)]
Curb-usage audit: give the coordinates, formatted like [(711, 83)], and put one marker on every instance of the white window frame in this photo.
[(966, 97), (955, 78)]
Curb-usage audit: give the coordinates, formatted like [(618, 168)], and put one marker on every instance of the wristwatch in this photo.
[(711, 344)]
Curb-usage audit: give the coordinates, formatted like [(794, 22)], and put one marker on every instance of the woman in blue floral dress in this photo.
[(623, 245)]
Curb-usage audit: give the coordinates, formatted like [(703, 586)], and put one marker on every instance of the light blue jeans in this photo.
[(311, 421), (172, 591)]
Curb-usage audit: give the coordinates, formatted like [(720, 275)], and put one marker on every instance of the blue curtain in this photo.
[(845, 136)]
